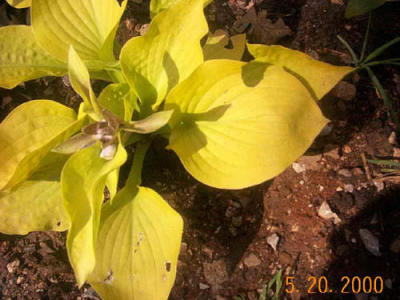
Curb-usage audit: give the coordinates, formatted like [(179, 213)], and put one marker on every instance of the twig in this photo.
[(366, 167)]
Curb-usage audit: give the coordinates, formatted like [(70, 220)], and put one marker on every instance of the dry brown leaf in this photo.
[(262, 29)]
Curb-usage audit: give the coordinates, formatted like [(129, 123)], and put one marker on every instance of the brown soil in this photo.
[(225, 250)]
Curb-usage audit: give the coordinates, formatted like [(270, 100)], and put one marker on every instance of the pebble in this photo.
[(252, 261), (392, 138), (331, 151), (273, 240), (298, 168), (370, 241), (388, 283), (12, 266), (208, 252), (349, 188), (337, 2), (380, 185), (396, 152), (327, 130), (347, 149), (5, 101), (344, 173), (203, 286), (326, 213), (20, 279), (345, 91)]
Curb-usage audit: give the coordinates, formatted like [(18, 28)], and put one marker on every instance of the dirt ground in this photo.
[(230, 236)]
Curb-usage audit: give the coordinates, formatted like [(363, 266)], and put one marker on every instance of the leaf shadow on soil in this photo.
[(380, 214)]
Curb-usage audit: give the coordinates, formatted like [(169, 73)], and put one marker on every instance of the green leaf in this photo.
[(167, 54), (360, 7), (240, 124), (150, 124), (119, 99), (137, 247), (28, 133), (82, 182), (112, 183), (33, 206), (215, 47), (318, 77), (89, 26), (20, 3), (22, 59), (50, 167)]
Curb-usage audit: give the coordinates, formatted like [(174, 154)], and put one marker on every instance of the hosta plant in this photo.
[(233, 125)]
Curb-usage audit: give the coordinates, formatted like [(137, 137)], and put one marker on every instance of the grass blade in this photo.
[(381, 49), (351, 51)]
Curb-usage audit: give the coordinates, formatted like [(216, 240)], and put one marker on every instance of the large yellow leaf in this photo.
[(317, 76), (240, 124), (20, 3), (167, 54), (137, 247), (157, 6), (22, 59), (216, 46), (82, 182), (88, 25), (28, 133), (33, 206)]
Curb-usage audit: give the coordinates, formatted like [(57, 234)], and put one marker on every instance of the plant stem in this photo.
[(366, 37), (394, 61), (385, 97), (351, 51), (135, 174), (381, 49)]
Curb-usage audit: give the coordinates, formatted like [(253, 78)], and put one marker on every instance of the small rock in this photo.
[(183, 248), (345, 91), (395, 246), (252, 261), (392, 138), (388, 283), (20, 279), (326, 130), (273, 240), (298, 168), (143, 29), (337, 2), (5, 101), (12, 266), (310, 162), (347, 149), (349, 188), (370, 241), (203, 286), (215, 273), (380, 185), (207, 251), (285, 258), (396, 152), (344, 173), (326, 213), (357, 172), (331, 151), (339, 189)]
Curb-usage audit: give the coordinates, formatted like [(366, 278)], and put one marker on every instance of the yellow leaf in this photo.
[(240, 124), (318, 77), (33, 206), (28, 133), (82, 183), (22, 59), (137, 247), (167, 54), (88, 25), (215, 47), (20, 3)]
